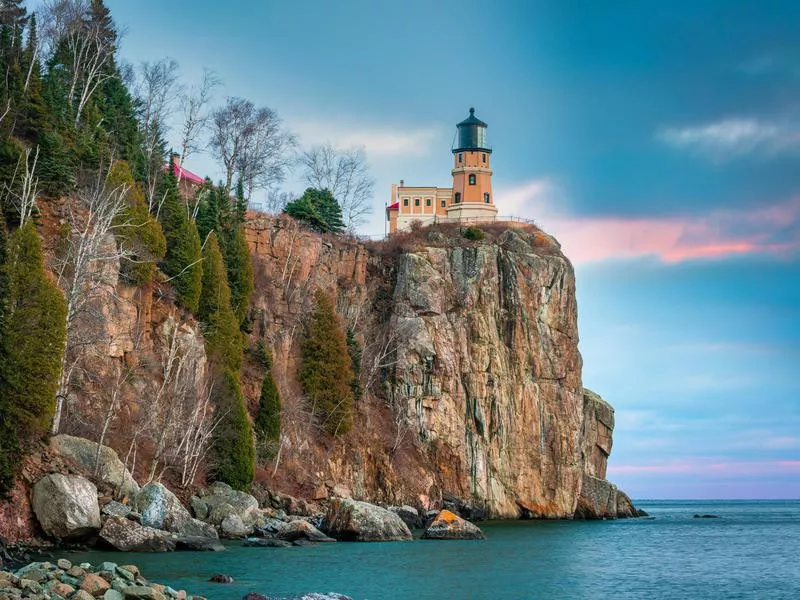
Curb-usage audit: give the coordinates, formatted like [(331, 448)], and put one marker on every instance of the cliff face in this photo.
[(471, 365)]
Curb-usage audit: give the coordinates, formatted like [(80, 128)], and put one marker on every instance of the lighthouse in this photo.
[(472, 172), (470, 200)]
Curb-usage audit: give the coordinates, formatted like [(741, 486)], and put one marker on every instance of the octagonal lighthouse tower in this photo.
[(472, 175)]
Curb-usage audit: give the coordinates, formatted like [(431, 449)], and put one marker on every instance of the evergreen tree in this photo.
[(31, 348), (318, 209), (182, 262), (141, 234), (208, 210), (326, 373), (268, 418), (354, 350), (240, 272), (220, 326), (12, 12), (233, 446)]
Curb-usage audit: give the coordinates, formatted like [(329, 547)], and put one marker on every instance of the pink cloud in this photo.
[(716, 235), (704, 468)]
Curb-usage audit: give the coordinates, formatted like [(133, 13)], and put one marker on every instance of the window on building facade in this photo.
[(443, 204), (460, 158), (472, 178), (483, 157), (486, 197), (405, 201), (427, 201), (458, 197), (416, 201)]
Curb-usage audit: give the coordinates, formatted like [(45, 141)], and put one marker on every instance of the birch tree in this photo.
[(252, 143), (346, 174)]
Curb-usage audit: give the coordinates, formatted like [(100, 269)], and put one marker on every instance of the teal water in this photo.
[(753, 551)]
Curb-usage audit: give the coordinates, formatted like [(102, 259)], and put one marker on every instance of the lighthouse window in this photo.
[(416, 201), (483, 156), (458, 197), (405, 201), (486, 197), (427, 201), (472, 179), (460, 158)]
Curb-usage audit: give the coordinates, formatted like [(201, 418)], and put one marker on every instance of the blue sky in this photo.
[(660, 142)]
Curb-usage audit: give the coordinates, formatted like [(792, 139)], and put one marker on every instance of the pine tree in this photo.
[(183, 260), (268, 418), (240, 272), (208, 211), (233, 446), (354, 350), (31, 349), (140, 234), (318, 209), (326, 373), (220, 326)]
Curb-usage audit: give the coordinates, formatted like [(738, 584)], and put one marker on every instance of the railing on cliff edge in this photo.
[(257, 208)]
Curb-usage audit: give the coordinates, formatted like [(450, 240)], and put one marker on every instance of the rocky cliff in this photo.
[(471, 368)]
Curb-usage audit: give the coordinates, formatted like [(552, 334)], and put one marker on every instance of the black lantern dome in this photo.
[(472, 134)]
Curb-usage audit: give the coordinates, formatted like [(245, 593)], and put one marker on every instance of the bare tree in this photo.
[(252, 143), (276, 200), (23, 195), (194, 106), (345, 173), (89, 267), (156, 88), (90, 44)]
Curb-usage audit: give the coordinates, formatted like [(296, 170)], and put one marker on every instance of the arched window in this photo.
[(486, 197), (458, 197), (472, 180)]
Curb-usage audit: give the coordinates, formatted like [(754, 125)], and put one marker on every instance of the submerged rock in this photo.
[(266, 543), (66, 507), (301, 530), (355, 521), (706, 517), (449, 526)]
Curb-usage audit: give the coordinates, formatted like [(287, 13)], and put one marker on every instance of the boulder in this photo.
[(449, 526), (66, 506), (301, 530), (161, 509), (110, 469), (95, 585), (601, 499), (352, 520), (115, 509), (220, 501), (268, 528), (409, 515), (128, 536), (233, 527)]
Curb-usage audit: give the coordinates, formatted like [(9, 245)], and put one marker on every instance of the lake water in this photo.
[(752, 551)]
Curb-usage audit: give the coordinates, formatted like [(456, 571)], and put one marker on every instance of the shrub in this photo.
[(326, 373), (234, 448), (473, 233), (318, 209)]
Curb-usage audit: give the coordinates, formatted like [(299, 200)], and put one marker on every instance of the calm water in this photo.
[(753, 551)]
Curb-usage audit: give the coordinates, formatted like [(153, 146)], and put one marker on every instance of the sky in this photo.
[(659, 142)]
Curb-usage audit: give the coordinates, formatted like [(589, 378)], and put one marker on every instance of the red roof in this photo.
[(394, 206), (186, 175)]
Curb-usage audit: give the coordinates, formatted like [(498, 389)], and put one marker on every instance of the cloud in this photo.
[(768, 230), (704, 467), (377, 141), (734, 137)]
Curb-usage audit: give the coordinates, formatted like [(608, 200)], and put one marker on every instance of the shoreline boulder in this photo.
[(301, 530), (91, 456), (449, 526), (128, 536), (160, 509), (66, 507), (354, 521)]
